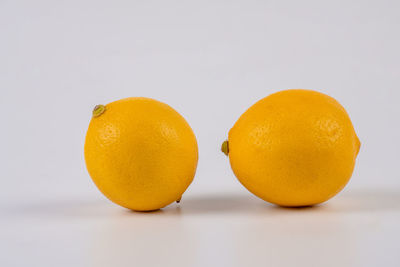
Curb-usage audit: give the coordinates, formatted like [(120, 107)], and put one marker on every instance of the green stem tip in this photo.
[(225, 147), (98, 110)]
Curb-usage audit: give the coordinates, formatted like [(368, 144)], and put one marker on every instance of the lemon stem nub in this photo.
[(98, 110), (225, 147), (178, 200)]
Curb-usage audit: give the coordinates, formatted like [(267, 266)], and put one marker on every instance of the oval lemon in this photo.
[(293, 148), (140, 153)]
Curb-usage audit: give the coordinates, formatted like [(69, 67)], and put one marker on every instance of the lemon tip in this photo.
[(98, 110), (225, 147)]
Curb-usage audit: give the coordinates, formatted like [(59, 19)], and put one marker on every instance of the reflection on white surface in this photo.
[(354, 229)]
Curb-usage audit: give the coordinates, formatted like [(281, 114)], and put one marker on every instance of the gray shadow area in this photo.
[(57, 208), (224, 203), (366, 201), (347, 202)]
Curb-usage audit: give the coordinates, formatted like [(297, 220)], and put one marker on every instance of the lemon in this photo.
[(140, 153), (293, 148)]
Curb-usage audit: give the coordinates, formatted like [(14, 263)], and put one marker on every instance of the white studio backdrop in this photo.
[(210, 60)]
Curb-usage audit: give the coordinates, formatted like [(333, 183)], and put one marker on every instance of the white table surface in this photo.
[(359, 228)]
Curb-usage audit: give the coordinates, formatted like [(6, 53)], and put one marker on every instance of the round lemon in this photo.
[(293, 148), (140, 153)]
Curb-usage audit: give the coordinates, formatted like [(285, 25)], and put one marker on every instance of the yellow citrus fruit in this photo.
[(293, 148), (140, 153)]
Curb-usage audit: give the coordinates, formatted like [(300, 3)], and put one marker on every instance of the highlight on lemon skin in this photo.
[(293, 148), (131, 149)]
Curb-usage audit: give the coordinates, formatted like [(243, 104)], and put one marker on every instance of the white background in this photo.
[(210, 60)]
